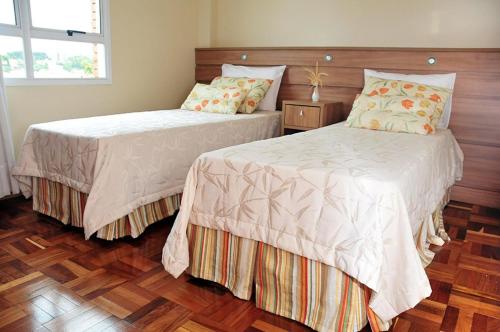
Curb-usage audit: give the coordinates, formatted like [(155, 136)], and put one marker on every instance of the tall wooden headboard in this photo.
[(475, 118)]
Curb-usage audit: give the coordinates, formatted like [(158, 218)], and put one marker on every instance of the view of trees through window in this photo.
[(63, 56), (15, 60), (59, 59)]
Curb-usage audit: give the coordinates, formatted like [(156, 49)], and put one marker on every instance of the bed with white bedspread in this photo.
[(125, 161), (354, 199)]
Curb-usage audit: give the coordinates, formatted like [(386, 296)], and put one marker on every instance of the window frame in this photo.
[(24, 29)]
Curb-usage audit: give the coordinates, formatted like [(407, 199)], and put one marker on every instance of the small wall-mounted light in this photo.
[(328, 57), (244, 57), (431, 60)]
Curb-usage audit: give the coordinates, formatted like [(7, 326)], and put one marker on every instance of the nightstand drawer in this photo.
[(302, 116)]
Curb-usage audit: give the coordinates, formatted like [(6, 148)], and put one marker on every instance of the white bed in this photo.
[(354, 199), (128, 160)]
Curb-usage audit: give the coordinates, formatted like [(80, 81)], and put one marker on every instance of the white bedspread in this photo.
[(349, 198), (127, 160)]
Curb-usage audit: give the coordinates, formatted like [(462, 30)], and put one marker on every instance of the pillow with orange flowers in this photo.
[(405, 114), (379, 86), (206, 98), (257, 89), (375, 86)]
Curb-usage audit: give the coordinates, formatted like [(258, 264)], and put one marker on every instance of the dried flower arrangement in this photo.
[(315, 77)]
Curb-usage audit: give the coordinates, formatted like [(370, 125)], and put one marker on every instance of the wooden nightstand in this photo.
[(307, 115)]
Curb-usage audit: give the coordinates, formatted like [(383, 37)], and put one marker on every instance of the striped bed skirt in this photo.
[(67, 205), (314, 294)]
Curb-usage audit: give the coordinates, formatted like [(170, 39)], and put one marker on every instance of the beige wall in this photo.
[(206, 22), (384, 23), (153, 45)]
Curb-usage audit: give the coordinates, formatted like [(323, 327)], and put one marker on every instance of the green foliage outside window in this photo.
[(78, 62), (40, 61), (12, 61), (15, 60)]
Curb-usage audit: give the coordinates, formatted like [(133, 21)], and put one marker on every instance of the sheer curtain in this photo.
[(8, 185)]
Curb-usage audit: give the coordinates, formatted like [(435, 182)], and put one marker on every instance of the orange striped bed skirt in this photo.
[(67, 205), (314, 294)]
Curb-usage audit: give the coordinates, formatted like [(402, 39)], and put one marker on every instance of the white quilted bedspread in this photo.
[(349, 198), (127, 160)]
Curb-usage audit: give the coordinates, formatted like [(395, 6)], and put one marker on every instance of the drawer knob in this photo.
[(301, 113)]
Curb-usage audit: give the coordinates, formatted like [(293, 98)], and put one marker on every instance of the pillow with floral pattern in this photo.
[(211, 99), (257, 89), (393, 113), (375, 86)]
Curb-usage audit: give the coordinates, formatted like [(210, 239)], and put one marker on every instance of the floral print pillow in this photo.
[(375, 86), (393, 113), (206, 98), (257, 89)]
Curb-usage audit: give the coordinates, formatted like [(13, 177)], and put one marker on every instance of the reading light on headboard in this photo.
[(244, 57), (431, 60), (328, 57)]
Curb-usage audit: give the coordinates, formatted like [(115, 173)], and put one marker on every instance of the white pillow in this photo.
[(272, 73), (441, 80)]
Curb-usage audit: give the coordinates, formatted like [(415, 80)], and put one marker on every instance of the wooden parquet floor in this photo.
[(51, 279)]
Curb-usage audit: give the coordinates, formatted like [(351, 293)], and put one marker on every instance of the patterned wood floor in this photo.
[(52, 279)]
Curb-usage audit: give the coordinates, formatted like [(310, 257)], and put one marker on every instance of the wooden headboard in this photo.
[(475, 117)]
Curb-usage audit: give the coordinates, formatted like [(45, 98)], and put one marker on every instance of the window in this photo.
[(55, 41)]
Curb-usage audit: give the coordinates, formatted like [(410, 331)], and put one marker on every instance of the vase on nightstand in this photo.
[(315, 94)]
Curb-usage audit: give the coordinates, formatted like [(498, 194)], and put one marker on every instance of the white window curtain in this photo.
[(8, 185)]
